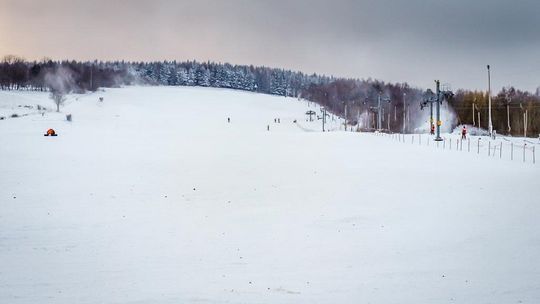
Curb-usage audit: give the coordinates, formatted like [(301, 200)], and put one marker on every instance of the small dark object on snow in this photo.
[(101, 99), (68, 117), (194, 189), (50, 132), (228, 119)]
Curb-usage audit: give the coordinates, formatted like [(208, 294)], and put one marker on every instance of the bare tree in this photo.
[(59, 98)]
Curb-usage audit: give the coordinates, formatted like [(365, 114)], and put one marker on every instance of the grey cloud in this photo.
[(412, 41)]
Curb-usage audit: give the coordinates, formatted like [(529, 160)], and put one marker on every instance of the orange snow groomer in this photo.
[(50, 132)]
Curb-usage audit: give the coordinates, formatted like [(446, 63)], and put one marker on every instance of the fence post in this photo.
[(524, 147), (534, 157), (511, 151), (479, 145), (489, 147)]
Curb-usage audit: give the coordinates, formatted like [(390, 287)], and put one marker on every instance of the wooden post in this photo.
[(489, 147), (511, 151), (524, 147)]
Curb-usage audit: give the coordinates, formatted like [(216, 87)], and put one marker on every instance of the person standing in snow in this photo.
[(464, 133)]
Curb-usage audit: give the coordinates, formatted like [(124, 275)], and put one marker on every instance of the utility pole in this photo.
[(345, 122), (379, 112), (525, 121), (404, 112), (525, 116), (439, 122), (473, 117), (508, 117), (490, 124), (324, 118), (324, 115), (508, 100), (358, 120)]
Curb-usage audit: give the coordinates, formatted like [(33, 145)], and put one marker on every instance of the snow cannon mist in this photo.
[(60, 83), (435, 101)]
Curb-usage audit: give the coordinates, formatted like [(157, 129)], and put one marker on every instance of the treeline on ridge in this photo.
[(338, 95)]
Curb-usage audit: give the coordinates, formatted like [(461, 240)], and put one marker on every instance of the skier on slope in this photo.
[(464, 133), (432, 131)]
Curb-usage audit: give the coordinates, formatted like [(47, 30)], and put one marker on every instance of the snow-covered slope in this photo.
[(153, 197)]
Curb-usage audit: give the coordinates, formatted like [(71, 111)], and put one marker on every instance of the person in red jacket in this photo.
[(464, 133)]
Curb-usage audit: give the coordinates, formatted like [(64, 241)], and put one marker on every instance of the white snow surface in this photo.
[(152, 197)]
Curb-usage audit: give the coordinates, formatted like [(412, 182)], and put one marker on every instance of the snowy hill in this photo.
[(151, 196)]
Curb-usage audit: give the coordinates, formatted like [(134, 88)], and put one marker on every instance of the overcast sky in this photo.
[(415, 41)]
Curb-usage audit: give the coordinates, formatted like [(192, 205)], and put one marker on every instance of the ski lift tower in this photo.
[(438, 97), (323, 117)]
